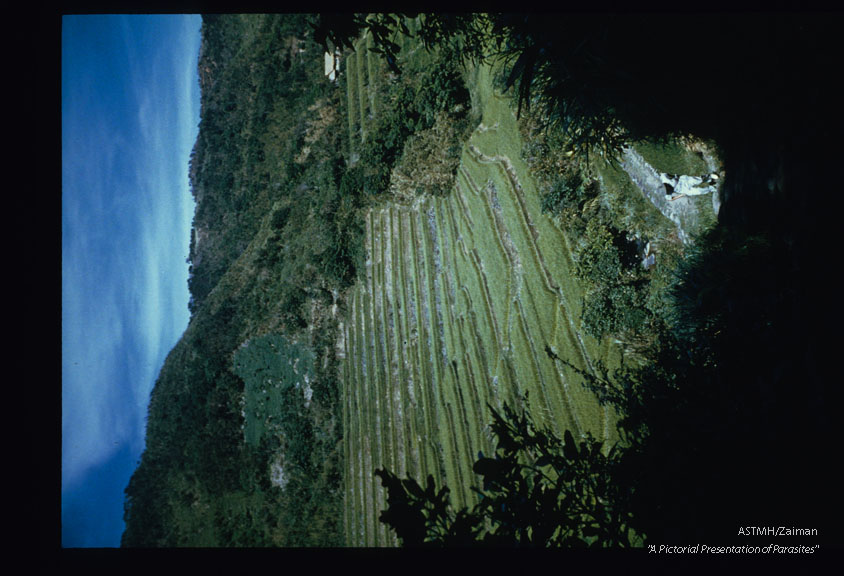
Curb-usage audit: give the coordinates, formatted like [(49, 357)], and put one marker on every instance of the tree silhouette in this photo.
[(538, 490)]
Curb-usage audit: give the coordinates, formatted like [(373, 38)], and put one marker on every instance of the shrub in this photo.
[(613, 309), (568, 193), (429, 161)]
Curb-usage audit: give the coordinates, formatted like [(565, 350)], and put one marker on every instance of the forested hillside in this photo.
[(261, 262)]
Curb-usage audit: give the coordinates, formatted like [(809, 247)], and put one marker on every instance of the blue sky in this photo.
[(130, 114)]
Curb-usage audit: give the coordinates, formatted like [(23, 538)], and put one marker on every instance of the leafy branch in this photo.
[(537, 490)]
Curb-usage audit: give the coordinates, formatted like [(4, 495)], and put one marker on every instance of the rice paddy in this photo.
[(461, 299)]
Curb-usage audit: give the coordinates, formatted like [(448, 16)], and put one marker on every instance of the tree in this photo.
[(607, 263)]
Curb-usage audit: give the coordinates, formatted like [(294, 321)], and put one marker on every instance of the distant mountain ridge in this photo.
[(198, 483)]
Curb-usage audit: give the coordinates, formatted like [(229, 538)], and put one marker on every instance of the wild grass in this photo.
[(671, 157)]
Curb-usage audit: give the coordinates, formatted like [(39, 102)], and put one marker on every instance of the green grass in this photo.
[(672, 158), (705, 212), (397, 330)]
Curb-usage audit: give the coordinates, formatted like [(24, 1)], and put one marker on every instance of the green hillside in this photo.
[(461, 297), (265, 173)]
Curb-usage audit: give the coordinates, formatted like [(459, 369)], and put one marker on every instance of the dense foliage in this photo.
[(273, 240), (419, 132), (606, 244)]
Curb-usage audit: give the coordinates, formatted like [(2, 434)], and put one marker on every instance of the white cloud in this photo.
[(92, 337), (169, 121), (92, 326), (124, 243)]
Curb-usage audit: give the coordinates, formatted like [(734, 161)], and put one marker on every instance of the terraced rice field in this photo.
[(461, 297), (363, 72)]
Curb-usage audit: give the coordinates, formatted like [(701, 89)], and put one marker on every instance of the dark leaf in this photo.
[(569, 447), (490, 467), (414, 488)]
